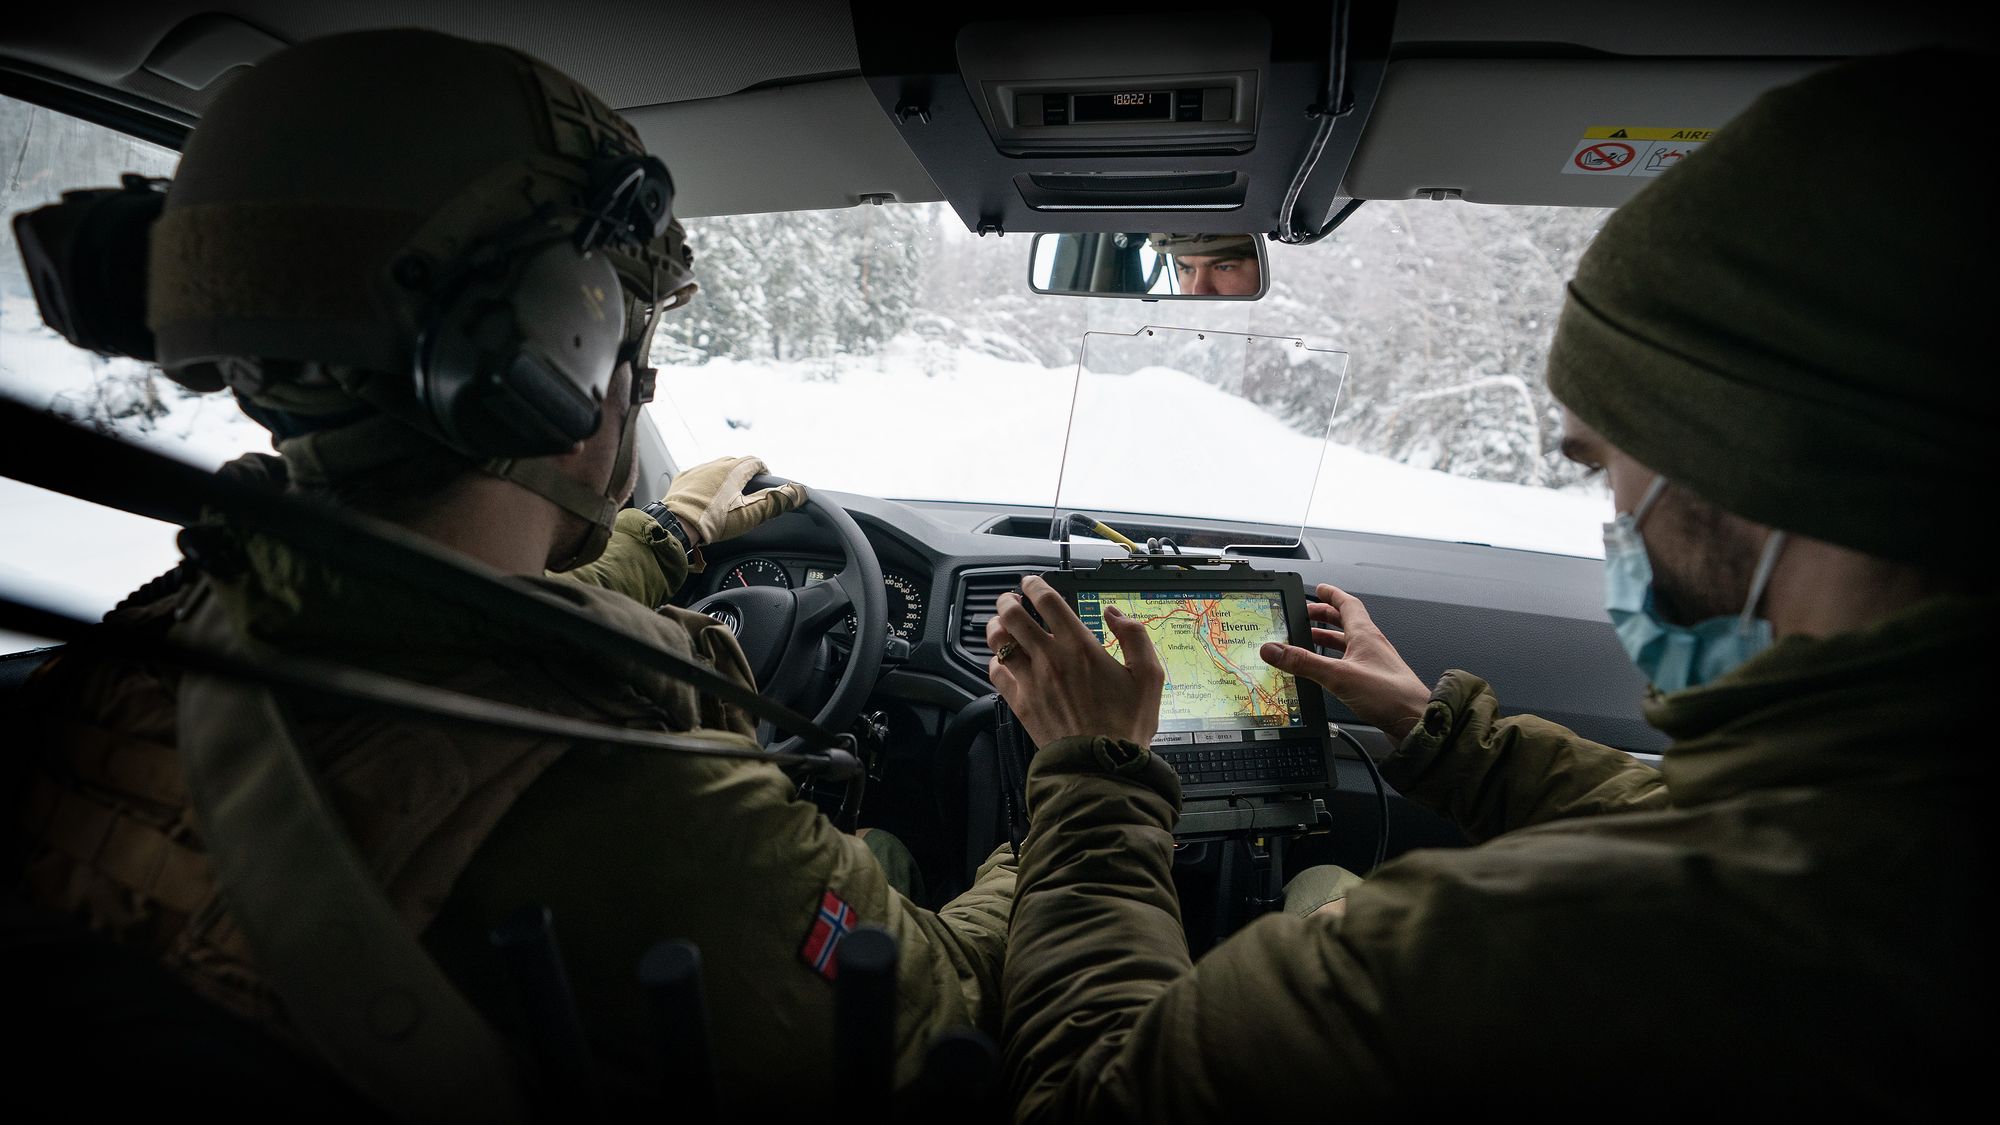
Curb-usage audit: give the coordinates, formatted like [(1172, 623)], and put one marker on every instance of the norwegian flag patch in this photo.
[(835, 920)]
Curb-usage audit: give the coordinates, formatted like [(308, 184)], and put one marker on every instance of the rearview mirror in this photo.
[(1151, 267)]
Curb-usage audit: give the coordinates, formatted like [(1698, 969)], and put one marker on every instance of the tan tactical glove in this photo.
[(709, 499)]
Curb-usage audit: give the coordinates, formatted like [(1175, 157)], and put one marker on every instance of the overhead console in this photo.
[(1183, 117), (1192, 87)]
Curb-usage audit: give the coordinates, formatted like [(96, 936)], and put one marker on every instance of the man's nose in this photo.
[(1204, 282)]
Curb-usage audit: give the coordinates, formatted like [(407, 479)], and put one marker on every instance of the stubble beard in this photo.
[(1707, 568)]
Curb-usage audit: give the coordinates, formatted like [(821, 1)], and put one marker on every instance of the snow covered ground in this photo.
[(910, 423), (1154, 441)]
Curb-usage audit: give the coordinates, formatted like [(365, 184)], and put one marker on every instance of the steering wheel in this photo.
[(781, 630)]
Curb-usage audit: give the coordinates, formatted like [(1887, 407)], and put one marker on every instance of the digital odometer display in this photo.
[(1126, 105)]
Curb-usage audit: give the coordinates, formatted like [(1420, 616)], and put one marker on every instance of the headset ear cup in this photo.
[(515, 361)]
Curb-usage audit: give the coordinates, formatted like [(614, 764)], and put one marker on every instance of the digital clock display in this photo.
[(1122, 105)]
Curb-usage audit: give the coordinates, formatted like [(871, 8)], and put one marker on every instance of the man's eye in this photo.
[(1225, 267)]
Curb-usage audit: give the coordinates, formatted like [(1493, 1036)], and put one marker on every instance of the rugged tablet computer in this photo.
[(1249, 741)]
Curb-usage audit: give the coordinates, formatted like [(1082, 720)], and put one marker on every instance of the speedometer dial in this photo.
[(906, 608), (757, 572)]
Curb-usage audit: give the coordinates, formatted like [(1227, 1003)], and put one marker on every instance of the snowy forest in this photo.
[(1446, 309)]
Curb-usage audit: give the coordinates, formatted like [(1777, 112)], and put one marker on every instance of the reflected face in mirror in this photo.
[(1217, 275), (1150, 266)]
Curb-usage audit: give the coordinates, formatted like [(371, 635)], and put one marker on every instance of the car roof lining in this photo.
[(822, 144), (631, 54), (1483, 99), (1517, 150)]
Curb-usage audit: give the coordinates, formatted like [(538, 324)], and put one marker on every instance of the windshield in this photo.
[(886, 350)]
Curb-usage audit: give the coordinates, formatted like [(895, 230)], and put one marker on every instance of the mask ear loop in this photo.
[(1647, 501), (1766, 563)]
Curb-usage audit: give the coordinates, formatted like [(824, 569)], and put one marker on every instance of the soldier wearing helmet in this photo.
[(431, 268)]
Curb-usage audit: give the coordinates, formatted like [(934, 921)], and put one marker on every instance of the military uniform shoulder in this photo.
[(1551, 867), (617, 609), (677, 630)]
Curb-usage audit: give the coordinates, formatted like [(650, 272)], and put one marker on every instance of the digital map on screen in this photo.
[(1208, 641)]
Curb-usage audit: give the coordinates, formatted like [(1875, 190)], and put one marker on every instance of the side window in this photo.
[(63, 552)]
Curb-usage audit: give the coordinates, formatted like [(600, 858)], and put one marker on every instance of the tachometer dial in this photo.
[(757, 572)]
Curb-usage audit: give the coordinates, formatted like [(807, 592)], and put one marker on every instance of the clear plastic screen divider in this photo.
[(1166, 422)]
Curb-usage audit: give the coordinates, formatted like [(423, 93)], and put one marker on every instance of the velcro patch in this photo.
[(835, 920)]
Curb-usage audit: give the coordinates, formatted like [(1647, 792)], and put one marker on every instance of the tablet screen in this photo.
[(1208, 641)]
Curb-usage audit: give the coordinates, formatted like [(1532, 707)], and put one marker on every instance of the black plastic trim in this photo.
[(99, 105), (910, 62)]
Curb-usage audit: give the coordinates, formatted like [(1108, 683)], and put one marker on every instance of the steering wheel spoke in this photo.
[(782, 632), (823, 604)]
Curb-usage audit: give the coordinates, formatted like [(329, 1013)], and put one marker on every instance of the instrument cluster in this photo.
[(906, 596)]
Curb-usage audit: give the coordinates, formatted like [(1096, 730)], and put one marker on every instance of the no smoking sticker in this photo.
[(1624, 150)]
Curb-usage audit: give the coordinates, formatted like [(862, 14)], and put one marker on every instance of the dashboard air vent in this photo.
[(973, 606)]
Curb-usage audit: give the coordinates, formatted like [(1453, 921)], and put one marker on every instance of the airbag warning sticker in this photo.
[(1623, 150)]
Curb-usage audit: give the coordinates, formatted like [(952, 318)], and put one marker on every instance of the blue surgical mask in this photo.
[(1675, 657)]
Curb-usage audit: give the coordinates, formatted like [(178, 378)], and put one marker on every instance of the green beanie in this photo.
[(1797, 322)]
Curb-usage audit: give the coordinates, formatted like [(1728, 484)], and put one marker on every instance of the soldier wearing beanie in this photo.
[(357, 222), (1778, 354)]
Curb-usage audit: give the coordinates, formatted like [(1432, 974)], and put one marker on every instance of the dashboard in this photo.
[(1531, 624)]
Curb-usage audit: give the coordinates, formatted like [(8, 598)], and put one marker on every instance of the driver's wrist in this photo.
[(682, 533)]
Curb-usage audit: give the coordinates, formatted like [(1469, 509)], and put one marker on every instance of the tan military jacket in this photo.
[(1783, 917), (465, 825)]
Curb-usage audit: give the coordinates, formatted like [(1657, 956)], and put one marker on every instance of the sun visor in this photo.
[(1178, 117)]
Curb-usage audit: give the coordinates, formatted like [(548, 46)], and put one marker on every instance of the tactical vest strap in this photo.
[(354, 980), (109, 841), (123, 764)]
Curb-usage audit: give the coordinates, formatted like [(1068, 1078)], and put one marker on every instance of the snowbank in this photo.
[(1155, 441)]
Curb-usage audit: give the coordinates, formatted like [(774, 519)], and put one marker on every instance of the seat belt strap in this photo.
[(356, 983), (104, 470)]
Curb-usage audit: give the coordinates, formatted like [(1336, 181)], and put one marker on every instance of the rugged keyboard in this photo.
[(1275, 764)]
